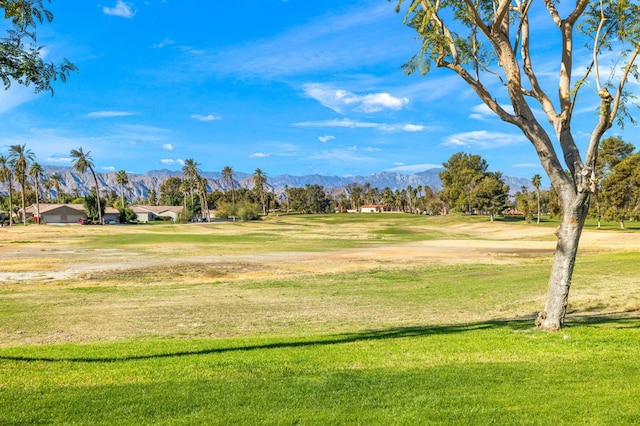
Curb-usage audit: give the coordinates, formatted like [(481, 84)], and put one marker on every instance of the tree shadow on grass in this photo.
[(520, 324)]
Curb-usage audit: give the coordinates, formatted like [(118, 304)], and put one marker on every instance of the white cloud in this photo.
[(167, 147), (108, 169), (171, 161), (206, 118), (345, 122), (355, 124), (14, 97), (413, 128), (58, 160), (258, 155), (482, 112), (109, 114), (349, 154), (338, 99), (319, 46), (164, 43), (527, 166), (325, 139), (483, 139), (414, 168), (121, 9)]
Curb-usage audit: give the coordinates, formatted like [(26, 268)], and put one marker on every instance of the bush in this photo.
[(243, 210)]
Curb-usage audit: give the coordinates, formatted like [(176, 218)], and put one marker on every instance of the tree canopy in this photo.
[(21, 58), (493, 45)]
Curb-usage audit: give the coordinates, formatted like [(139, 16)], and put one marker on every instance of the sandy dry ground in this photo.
[(53, 253)]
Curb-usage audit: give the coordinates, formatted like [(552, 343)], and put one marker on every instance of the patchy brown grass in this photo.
[(61, 287)]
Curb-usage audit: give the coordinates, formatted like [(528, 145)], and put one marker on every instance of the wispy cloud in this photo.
[(326, 138), (483, 139), (356, 124), (206, 118), (527, 166), (345, 122), (258, 155), (340, 100), (109, 114), (318, 46), (18, 95), (164, 43), (58, 160), (121, 9), (171, 161), (167, 147), (349, 154), (414, 168)]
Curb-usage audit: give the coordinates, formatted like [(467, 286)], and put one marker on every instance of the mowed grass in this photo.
[(232, 342)]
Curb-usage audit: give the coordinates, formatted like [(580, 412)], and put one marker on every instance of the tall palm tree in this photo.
[(191, 172), (19, 158), (83, 161), (227, 175), (36, 172), (6, 175), (536, 181), (56, 179), (122, 179), (47, 186), (259, 182)]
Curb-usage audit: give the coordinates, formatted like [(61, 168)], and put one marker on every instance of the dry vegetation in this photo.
[(280, 276)]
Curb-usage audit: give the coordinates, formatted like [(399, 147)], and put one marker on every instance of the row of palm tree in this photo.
[(21, 163)]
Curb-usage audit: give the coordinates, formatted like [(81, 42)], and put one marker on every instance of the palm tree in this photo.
[(227, 175), (19, 158), (56, 179), (36, 171), (191, 172), (536, 180), (259, 181), (83, 161), (47, 186), (6, 175), (122, 179)]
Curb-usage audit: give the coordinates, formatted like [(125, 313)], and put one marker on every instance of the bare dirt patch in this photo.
[(37, 254)]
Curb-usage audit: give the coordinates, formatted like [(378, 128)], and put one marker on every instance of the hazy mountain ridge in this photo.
[(140, 184)]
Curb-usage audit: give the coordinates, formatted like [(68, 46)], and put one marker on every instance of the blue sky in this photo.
[(289, 86)]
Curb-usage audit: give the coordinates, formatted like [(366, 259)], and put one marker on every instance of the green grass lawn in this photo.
[(405, 344), (482, 373)]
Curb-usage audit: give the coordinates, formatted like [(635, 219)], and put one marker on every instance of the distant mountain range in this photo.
[(140, 184)]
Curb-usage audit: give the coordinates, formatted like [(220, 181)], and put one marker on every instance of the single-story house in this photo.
[(67, 213), (150, 213), (111, 215), (372, 208), (56, 213)]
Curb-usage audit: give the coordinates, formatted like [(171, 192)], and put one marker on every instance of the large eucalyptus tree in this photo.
[(489, 45)]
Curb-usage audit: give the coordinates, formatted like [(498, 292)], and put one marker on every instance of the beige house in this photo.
[(372, 208), (151, 213), (67, 213), (56, 213)]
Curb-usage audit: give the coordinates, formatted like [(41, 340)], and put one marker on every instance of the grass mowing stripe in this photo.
[(483, 374)]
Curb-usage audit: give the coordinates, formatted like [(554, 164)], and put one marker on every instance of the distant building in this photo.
[(66, 213), (152, 213), (372, 208)]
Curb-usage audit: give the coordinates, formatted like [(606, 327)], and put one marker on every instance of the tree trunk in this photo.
[(568, 234)]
